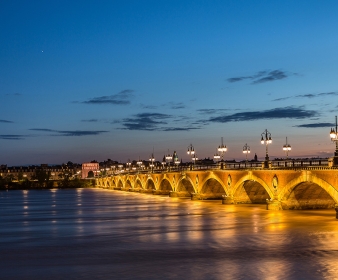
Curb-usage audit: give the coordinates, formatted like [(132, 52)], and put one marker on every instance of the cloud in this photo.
[(261, 77), (308, 95), (211, 111), (90, 120), (12, 137), (175, 106), (271, 76), (121, 98), (5, 121), (276, 113), (150, 107), (145, 121), (70, 132), (315, 125), (152, 122)]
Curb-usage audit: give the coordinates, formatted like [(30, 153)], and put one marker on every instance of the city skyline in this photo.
[(119, 80)]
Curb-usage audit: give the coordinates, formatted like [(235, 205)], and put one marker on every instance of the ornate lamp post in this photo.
[(152, 159), (128, 164), (191, 151), (163, 162), (222, 148), (266, 139), (217, 157), (246, 151), (139, 163), (334, 138), (287, 148), (168, 158), (176, 160)]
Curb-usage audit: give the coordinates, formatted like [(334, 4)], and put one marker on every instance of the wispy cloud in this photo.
[(276, 113), (175, 106), (90, 120), (149, 107), (308, 95), (13, 94), (315, 125), (12, 137), (261, 77), (70, 132), (121, 98), (5, 121), (212, 111), (153, 122)]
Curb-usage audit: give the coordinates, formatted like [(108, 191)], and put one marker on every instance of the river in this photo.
[(105, 234)]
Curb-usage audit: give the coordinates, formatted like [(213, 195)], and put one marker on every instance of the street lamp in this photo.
[(334, 138), (168, 158), (266, 139), (287, 148), (246, 151), (128, 164), (217, 156), (176, 160), (222, 148), (139, 163), (191, 151), (152, 159)]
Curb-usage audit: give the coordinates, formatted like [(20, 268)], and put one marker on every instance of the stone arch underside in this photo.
[(165, 187), (212, 189), (183, 189), (308, 195), (138, 185), (128, 185), (150, 185), (251, 192), (120, 184)]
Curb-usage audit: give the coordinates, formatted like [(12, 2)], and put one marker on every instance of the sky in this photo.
[(92, 80)]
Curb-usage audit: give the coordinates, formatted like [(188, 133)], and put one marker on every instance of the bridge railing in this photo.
[(275, 164)]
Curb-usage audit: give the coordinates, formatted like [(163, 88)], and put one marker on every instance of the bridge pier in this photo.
[(146, 190), (273, 204), (179, 194), (195, 196), (228, 200), (160, 192)]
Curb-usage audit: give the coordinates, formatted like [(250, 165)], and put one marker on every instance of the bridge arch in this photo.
[(138, 184), (185, 184), (308, 192), (128, 184), (251, 189), (120, 183), (213, 188), (165, 185), (150, 184)]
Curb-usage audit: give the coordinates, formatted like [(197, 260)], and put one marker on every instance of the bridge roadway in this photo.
[(301, 187)]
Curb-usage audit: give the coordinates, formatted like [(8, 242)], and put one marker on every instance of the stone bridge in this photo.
[(306, 188)]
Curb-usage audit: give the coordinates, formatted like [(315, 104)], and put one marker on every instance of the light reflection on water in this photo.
[(93, 233)]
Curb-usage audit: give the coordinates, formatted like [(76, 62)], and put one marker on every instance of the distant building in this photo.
[(89, 167)]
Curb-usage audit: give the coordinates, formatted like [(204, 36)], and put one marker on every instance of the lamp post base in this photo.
[(266, 164)]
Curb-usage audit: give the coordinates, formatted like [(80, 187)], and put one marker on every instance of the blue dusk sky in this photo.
[(92, 80)]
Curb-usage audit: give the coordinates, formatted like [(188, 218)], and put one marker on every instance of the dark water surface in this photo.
[(103, 234)]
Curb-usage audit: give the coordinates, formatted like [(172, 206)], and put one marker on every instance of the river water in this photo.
[(104, 234)]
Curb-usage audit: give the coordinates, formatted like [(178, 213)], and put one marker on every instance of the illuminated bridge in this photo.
[(284, 185)]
